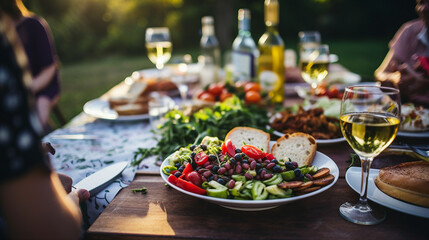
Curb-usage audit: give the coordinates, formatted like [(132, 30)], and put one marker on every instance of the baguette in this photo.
[(406, 181), (298, 147), (241, 136)]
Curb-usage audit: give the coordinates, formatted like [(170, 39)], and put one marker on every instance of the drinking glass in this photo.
[(158, 46), (369, 119), (182, 79), (314, 64), (309, 38)]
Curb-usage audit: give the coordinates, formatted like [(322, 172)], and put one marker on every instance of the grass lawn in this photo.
[(89, 79)]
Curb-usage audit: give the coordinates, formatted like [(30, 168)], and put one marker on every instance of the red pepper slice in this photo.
[(201, 158), (187, 170), (230, 148), (172, 179), (269, 156), (252, 152), (224, 149), (188, 186)]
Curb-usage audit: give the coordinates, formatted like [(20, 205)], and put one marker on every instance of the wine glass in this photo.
[(314, 64), (158, 46), (369, 119), (309, 38), (182, 79)]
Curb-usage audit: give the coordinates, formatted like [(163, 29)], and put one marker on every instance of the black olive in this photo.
[(245, 161), (193, 155), (297, 172), (215, 168), (210, 178), (177, 174), (237, 150), (289, 165), (275, 161), (221, 181), (181, 168), (194, 165), (277, 169), (192, 147), (258, 165), (203, 146), (238, 157), (232, 160), (177, 165), (212, 157)]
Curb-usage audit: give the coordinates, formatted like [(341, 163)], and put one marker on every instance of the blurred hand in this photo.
[(77, 195)]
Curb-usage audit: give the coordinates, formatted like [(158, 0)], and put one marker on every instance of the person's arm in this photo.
[(43, 78), (36, 205), (387, 70)]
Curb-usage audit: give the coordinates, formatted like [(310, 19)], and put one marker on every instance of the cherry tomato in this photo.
[(207, 97), (215, 89), (224, 95), (195, 178), (230, 148), (252, 152), (333, 92), (252, 97), (269, 156), (201, 158), (200, 93), (251, 86)]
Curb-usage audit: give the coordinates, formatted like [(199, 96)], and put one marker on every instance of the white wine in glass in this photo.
[(158, 46), (370, 118), (314, 64)]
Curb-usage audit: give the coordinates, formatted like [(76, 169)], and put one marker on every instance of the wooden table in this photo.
[(164, 213)]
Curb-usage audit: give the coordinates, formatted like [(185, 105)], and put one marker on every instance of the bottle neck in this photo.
[(208, 30), (271, 13)]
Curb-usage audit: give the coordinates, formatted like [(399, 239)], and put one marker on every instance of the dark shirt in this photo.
[(20, 140), (38, 44)]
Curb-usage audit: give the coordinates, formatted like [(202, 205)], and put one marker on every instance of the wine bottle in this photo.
[(271, 58), (244, 50), (210, 52)]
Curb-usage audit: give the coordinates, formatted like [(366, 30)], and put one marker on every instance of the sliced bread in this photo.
[(299, 147), (131, 109), (241, 136)]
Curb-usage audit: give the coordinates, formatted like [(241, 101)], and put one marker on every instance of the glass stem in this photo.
[(366, 165)]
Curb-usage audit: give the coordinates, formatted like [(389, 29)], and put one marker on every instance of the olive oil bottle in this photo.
[(271, 58)]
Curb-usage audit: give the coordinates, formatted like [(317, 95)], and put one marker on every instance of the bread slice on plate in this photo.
[(406, 181), (131, 109), (241, 136), (299, 147)]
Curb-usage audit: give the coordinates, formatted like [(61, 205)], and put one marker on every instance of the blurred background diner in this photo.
[(101, 42)]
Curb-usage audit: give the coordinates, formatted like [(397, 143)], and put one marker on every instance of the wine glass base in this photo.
[(362, 214)]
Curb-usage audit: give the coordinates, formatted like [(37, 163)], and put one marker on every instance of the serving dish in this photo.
[(100, 108), (320, 142), (320, 160), (353, 178)]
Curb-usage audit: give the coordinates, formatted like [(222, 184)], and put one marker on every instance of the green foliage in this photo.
[(181, 130), (92, 28)]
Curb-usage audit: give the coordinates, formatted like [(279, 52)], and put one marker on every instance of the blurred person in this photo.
[(404, 66), (38, 44), (33, 202)]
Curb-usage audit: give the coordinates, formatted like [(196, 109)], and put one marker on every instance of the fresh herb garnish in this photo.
[(181, 130)]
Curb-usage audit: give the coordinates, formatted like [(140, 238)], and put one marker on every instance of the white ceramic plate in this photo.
[(320, 142), (353, 178), (424, 134), (100, 108), (320, 160)]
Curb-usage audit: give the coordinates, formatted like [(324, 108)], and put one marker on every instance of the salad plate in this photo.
[(353, 178), (320, 142), (100, 108), (320, 160)]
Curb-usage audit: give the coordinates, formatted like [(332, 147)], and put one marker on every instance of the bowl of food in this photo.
[(249, 177)]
